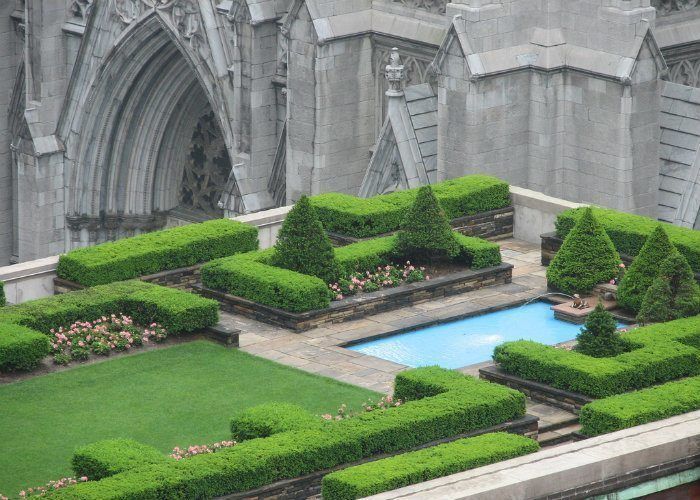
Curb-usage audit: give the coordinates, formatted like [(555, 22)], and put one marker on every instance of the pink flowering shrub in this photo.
[(102, 336), (180, 453), (384, 403), (383, 277), (41, 491)]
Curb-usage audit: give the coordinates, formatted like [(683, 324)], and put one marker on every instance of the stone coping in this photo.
[(569, 401), (365, 304), (310, 485), (582, 469)]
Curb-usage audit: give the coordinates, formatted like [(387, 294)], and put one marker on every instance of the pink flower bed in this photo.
[(41, 491), (383, 277), (102, 336), (180, 453), (383, 404)]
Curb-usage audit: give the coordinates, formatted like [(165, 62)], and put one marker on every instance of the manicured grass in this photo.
[(176, 396)]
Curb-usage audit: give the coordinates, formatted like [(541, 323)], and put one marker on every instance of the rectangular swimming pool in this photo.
[(471, 340)]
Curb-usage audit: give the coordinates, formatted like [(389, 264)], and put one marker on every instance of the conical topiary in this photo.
[(425, 231), (586, 258), (599, 336), (303, 246), (645, 268), (674, 293)]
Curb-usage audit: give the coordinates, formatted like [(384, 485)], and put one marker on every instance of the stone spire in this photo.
[(395, 74)]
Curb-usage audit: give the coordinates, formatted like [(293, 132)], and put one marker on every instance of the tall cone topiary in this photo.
[(644, 269), (303, 245), (425, 231), (599, 336), (674, 293), (586, 258)]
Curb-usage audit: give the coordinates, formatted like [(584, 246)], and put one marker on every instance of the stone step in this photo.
[(562, 435)]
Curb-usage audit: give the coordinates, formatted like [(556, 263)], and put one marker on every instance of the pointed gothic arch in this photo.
[(128, 144)]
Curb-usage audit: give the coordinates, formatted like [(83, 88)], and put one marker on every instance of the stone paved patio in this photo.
[(318, 350)]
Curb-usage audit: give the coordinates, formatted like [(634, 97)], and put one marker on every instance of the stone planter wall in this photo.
[(183, 278), (569, 401), (310, 485), (365, 304), (491, 225)]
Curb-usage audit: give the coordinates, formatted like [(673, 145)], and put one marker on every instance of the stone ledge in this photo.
[(365, 304)]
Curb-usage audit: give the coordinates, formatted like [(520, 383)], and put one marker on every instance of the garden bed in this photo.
[(365, 304), (310, 485), (569, 401), (491, 225)]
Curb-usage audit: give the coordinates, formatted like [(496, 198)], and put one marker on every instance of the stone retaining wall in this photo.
[(183, 278), (491, 225), (310, 485), (365, 304)]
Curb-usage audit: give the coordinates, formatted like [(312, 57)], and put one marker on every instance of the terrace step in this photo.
[(554, 437)]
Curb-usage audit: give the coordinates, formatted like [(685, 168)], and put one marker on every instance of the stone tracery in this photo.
[(436, 6), (665, 7)]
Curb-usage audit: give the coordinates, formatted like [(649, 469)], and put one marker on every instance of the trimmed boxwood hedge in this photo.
[(660, 353), (365, 255), (176, 310), (112, 456), (157, 251), (266, 284), (365, 217), (271, 418), (478, 253), (450, 404), (640, 407), (629, 232), (21, 348), (3, 301), (423, 465)]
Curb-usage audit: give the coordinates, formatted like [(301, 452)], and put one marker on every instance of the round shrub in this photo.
[(303, 246), (271, 418), (586, 258), (599, 337), (644, 269), (21, 348), (425, 232), (674, 294)]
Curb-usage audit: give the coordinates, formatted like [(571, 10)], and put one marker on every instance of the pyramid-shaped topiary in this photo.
[(674, 293), (586, 258), (303, 245), (599, 337), (645, 268), (425, 232)]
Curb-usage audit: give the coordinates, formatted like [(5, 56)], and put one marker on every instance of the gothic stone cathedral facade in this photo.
[(124, 116)]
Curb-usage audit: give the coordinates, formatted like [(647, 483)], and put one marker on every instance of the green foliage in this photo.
[(365, 255), (3, 301), (275, 287), (640, 407), (599, 337), (659, 353), (644, 269), (476, 252), (425, 232), (158, 251), (673, 294), (21, 348), (423, 465), (303, 246), (461, 404), (364, 217), (586, 258), (146, 303), (629, 232), (272, 418), (112, 456)]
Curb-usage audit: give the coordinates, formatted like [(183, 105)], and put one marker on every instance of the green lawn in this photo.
[(176, 396)]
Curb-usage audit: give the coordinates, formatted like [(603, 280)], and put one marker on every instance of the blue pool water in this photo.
[(471, 340)]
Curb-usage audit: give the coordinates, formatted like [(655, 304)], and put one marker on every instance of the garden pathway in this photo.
[(318, 350)]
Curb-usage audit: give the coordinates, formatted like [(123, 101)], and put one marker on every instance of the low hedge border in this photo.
[(640, 407), (3, 300), (112, 456), (157, 251), (629, 232), (442, 404), (660, 353), (478, 253), (364, 217), (423, 465), (21, 348)]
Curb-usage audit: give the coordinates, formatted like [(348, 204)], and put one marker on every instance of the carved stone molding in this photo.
[(110, 226), (435, 6), (81, 8), (685, 72), (665, 7)]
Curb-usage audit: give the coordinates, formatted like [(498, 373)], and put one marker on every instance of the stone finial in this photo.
[(395, 74)]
